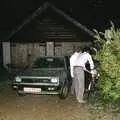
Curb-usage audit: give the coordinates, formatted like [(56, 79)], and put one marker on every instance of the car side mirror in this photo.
[(9, 67)]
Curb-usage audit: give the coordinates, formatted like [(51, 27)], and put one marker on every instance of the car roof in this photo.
[(51, 57)]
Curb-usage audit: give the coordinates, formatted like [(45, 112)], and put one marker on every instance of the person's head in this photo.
[(77, 49), (86, 49)]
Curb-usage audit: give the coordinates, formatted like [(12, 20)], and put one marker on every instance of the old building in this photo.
[(48, 31)]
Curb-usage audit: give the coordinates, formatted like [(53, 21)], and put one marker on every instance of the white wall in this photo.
[(6, 53), (50, 49)]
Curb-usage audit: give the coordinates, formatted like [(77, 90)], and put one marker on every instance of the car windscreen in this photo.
[(49, 62)]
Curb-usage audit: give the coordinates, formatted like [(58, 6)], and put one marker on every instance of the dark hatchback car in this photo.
[(47, 75)]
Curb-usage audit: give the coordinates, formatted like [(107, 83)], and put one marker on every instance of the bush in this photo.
[(109, 55)]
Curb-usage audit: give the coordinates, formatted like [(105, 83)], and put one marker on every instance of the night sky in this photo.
[(91, 13)]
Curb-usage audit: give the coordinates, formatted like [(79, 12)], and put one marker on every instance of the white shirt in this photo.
[(83, 58), (72, 62), (80, 59)]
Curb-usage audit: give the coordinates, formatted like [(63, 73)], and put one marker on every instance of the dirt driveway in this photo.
[(14, 107)]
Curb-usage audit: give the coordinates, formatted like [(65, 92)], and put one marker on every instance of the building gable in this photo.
[(51, 24)]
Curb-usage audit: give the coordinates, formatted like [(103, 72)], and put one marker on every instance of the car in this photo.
[(46, 75)]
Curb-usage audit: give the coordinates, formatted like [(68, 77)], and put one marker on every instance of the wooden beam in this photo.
[(26, 21)]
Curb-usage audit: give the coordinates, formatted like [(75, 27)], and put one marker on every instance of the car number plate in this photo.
[(33, 90)]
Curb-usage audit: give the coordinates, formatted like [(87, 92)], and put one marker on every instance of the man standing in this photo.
[(72, 64), (78, 73)]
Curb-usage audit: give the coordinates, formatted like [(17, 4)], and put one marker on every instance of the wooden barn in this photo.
[(47, 32)]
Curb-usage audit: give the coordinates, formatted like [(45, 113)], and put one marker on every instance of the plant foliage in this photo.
[(109, 55)]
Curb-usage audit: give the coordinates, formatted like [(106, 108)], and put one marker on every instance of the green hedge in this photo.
[(109, 55)]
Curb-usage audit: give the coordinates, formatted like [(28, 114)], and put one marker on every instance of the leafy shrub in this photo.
[(109, 55)]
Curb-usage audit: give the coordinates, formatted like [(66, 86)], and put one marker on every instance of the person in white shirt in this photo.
[(72, 64), (78, 72)]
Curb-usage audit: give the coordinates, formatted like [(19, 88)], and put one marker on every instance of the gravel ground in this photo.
[(30, 107)]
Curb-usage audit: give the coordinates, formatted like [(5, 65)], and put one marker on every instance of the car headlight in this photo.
[(18, 79), (54, 80)]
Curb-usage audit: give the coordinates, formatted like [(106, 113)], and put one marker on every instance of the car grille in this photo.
[(34, 80)]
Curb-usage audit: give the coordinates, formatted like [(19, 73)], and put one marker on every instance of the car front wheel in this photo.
[(64, 91), (21, 94)]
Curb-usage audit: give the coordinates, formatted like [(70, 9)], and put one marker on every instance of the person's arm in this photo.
[(90, 61)]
